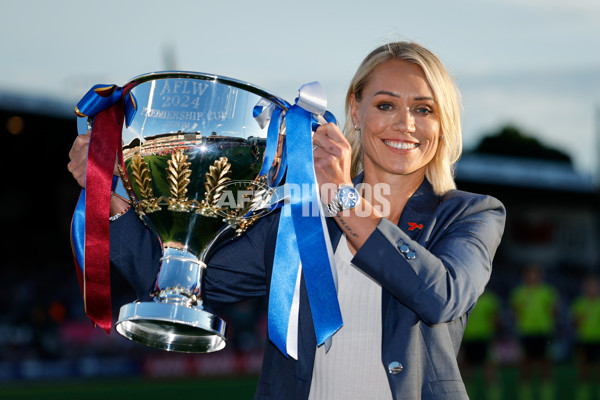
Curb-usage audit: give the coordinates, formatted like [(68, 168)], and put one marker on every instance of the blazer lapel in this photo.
[(418, 210), (414, 218)]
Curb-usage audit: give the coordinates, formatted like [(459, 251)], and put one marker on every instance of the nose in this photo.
[(404, 120)]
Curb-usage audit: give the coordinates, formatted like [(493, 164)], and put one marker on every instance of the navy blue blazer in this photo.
[(432, 267)]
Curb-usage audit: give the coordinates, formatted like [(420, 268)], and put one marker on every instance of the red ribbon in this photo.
[(105, 141)]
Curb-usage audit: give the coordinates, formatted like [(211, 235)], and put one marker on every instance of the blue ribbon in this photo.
[(78, 231), (276, 114), (283, 280), (302, 239), (101, 97)]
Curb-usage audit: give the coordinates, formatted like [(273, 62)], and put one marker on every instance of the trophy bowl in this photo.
[(191, 165)]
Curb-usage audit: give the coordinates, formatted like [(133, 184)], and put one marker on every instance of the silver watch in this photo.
[(345, 198)]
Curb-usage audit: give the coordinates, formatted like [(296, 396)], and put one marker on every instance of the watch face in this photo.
[(348, 197)]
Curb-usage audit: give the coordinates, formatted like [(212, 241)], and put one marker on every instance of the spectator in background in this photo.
[(534, 304), (479, 334), (586, 316)]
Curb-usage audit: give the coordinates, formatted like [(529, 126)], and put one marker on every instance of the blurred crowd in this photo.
[(45, 334), (534, 327)]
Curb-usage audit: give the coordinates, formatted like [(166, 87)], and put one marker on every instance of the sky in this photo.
[(531, 63)]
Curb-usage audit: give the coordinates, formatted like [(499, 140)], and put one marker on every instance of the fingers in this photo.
[(81, 141), (78, 157), (332, 131), (78, 173), (329, 140), (332, 155)]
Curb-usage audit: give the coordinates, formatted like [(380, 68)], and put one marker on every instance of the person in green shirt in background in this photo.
[(477, 364), (585, 311), (534, 304)]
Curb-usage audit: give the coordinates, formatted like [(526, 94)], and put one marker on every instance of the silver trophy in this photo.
[(192, 158)]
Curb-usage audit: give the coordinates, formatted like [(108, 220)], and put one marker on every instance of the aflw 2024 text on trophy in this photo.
[(199, 155)]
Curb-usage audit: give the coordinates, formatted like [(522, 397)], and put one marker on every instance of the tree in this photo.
[(512, 141)]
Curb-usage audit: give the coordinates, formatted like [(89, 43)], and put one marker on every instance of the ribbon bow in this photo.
[(303, 246), (101, 97), (269, 113), (89, 225)]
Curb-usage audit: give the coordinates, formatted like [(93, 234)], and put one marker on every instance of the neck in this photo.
[(399, 189)]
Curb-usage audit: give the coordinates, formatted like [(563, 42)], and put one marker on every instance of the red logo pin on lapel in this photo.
[(413, 225)]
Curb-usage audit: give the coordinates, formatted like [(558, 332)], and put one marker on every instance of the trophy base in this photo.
[(171, 327)]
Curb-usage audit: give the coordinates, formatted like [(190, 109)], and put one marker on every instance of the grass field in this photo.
[(132, 389), (564, 386), (507, 386)]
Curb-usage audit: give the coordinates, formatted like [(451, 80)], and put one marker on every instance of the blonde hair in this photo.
[(440, 171)]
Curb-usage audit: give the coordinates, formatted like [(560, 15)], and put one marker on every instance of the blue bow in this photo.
[(101, 97)]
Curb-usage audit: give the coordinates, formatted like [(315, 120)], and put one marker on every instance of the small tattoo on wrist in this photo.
[(346, 227)]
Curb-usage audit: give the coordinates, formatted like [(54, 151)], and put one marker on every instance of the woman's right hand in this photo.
[(78, 157), (77, 166)]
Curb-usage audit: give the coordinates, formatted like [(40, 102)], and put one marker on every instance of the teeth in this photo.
[(401, 145)]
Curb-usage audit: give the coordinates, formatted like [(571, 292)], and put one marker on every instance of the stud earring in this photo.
[(356, 128)]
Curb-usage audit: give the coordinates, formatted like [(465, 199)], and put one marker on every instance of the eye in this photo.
[(423, 110), (385, 106)]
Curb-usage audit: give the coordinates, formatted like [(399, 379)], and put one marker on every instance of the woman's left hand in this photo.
[(332, 158)]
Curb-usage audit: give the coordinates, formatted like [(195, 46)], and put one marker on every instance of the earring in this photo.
[(356, 128), (441, 136)]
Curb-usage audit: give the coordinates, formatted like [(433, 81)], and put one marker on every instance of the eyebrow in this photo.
[(393, 94)]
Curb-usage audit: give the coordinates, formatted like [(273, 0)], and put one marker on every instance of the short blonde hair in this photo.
[(440, 171)]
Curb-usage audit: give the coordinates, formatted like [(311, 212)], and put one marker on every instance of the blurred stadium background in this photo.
[(48, 348)]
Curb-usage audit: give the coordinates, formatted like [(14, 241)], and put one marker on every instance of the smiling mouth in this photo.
[(401, 145)]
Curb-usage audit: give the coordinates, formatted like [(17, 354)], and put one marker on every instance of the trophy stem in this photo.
[(175, 320)]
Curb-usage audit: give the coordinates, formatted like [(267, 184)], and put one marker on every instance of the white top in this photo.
[(352, 368)]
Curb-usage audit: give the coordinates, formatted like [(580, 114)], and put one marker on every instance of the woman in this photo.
[(411, 263)]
